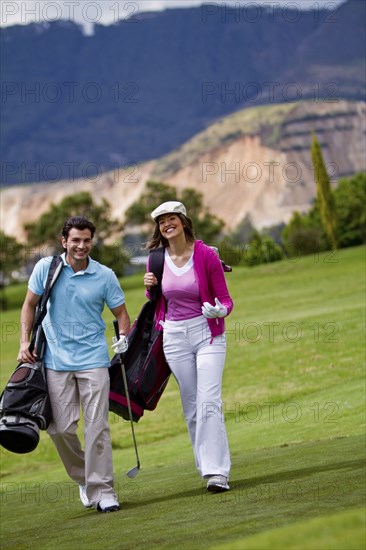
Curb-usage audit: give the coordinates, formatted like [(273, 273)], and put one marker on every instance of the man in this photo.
[(77, 359)]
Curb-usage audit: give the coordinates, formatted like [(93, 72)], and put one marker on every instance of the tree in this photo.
[(350, 200), (156, 193), (262, 249), (242, 232), (232, 247), (324, 194), (47, 228), (11, 255), (207, 227), (11, 258), (304, 233)]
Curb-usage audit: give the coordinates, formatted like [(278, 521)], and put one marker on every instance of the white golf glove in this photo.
[(120, 345), (210, 312)]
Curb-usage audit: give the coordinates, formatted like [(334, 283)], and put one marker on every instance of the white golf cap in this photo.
[(170, 207)]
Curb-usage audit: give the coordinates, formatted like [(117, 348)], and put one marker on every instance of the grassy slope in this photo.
[(293, 395)]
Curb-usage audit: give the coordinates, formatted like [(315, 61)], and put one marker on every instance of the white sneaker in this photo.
[(108, 505), (217, 484), (84, 497)]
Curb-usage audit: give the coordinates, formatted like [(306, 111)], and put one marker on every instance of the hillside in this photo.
[(135, 91), (255, 162)]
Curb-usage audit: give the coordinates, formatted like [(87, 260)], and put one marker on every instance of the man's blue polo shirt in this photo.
[(73, 325)]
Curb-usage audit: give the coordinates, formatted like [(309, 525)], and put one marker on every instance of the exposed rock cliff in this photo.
[(255, 162)]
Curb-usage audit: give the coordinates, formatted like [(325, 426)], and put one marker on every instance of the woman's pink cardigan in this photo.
[(211, 282)]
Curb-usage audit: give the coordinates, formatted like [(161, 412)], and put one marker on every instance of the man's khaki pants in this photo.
[(88, 388)]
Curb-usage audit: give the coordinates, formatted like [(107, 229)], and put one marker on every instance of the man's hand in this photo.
[(211, 312), (120, 345), (24, 355)]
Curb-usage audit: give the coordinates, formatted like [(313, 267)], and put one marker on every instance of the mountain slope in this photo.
[(255, 162), (134, 91)]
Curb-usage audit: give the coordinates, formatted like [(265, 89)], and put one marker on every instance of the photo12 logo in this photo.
[(268, 92), (52, 492), (254, 12), (85, 12), (68, 171), (69, 92)]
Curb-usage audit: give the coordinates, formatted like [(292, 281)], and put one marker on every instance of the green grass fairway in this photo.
[(294, 394)]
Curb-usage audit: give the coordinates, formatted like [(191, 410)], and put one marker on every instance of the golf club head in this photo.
[(133, 472)]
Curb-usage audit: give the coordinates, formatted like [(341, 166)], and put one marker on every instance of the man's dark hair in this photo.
[(77, 222)]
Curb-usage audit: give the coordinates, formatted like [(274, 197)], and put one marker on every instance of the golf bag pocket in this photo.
[(117, 395), (25, 408)]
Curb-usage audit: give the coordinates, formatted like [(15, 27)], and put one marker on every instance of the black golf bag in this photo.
[(147, 372), (25, 408)]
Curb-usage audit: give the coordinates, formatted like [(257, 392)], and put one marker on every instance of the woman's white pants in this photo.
[(197, 362)]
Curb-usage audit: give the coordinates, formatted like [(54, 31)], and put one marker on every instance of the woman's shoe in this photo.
[(217, 484)]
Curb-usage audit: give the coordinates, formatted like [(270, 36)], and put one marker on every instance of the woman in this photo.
[(194, 301)]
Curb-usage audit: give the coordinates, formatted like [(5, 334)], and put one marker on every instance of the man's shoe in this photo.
[(84, 497), (108, 505), (217, 484)]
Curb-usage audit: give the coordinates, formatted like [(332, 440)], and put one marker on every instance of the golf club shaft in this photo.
[(116, 330)]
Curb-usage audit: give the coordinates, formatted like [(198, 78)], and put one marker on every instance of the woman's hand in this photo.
[(212, 312), (150, 280)]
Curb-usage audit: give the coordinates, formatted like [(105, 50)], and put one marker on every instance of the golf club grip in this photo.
[(116, 328)]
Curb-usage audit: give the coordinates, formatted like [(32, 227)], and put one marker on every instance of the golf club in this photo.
[(134, 471)]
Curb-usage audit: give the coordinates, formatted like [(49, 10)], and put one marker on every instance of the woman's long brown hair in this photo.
[(158, 240)]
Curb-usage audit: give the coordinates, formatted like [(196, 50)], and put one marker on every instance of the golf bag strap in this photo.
[(53, 274), (156, 265)]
